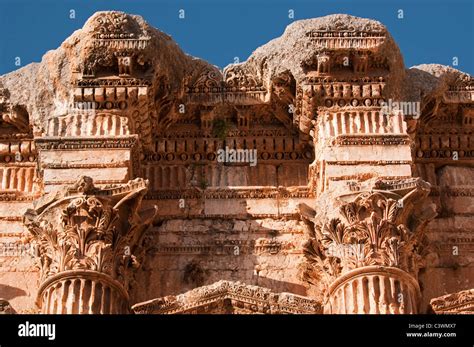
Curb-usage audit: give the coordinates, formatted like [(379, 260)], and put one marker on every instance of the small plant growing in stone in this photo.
[(220, 128)]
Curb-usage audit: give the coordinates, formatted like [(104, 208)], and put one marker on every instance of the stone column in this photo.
[(374, 289), (364, 249), (82, 292), (88, 240)]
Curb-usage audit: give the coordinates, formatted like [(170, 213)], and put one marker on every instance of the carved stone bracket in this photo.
[(456, 303)]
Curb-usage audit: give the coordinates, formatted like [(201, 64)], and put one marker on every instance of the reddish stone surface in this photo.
[(319, 176)]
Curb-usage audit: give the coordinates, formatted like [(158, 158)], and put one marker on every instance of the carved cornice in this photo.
[(210, 87), (456, 303), (371, 140), (444, 154), (222, 247), (346, 38), (243, 299), (264, 132), (116, 35), (254, 193), (191, 156), (370, 162), (461, 91), (16, 196), (76, 143)]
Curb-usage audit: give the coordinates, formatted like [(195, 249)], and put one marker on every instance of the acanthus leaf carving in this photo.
[(86, 228), (376, 228)]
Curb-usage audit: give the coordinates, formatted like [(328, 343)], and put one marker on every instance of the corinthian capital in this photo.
[(83, 228), (380, 226)]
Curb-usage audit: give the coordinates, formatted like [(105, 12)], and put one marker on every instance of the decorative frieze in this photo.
[(342, 39), (226, 247), (209, 87), (235, 296), (222, 193), (461, 91), (54, 143), (374, 140), (456, 303), (19, 179)]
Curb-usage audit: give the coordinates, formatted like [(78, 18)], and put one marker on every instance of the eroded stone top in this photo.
[(305, 46)]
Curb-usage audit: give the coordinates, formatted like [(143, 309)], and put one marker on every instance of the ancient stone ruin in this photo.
[(319, 176)]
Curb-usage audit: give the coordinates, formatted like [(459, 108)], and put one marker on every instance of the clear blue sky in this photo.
[(432, 31)]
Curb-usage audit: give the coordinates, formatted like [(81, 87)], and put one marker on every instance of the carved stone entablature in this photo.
[(18, 182), (211, 157), (359, 99), (108, 107), (222, 247), (338, 62), (445, 133), (284, 88), (381, 227), (343, 47), (83, 230), (222, 193), (329, 92), (104, 93), (118, 44), (231, 133), (206, 86), (267, 246), (384, 140), (53, 143), (346, 38), (461, 91), (308, 118), (362, 126), (91, 143), (456, 303), (119, 90), (114, 83), (227, 297), (17, 151), (237, 78), (243, 86), (209, 87)]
